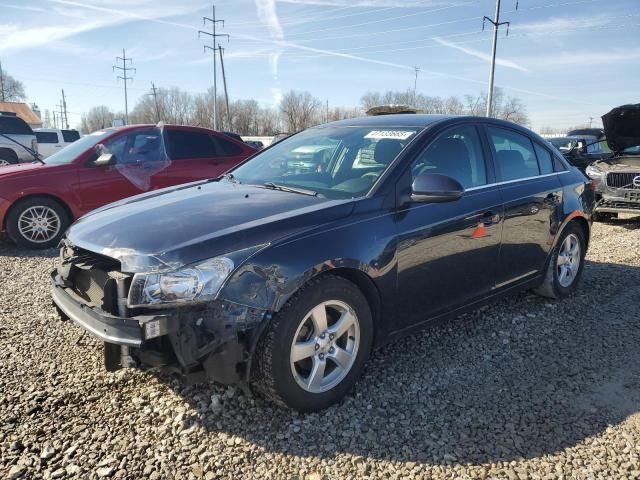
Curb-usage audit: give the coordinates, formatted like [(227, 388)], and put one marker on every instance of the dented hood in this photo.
[(622, 127), (182, 225)]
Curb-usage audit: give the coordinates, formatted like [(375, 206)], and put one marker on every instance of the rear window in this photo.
[(10, 125), (70, 136), (225, 148), (47, 137)]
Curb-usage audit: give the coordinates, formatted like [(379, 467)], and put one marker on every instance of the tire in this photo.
[(289, 383), (557, 283), (8, 157), (43, 214)]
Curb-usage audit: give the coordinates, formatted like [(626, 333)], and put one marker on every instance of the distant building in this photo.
[(23, 111)]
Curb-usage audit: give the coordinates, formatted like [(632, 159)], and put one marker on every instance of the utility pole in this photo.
[(496, 26), (224, 81), (64, 107), (590, 121), (327, 111), (55, 121), (415, 81), (214, 36), (154, 92), (124, 69), (2, 96)]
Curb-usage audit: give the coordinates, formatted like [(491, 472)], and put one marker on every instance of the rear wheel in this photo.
[(566, 264), (37, 222), (315, 348)]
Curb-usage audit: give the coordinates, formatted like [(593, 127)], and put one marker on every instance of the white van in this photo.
[(51, 140)]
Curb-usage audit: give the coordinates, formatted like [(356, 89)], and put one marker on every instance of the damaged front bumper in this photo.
[(213, 341)]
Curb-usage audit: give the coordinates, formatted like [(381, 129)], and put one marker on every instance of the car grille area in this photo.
[(623, 180), (92, 277)]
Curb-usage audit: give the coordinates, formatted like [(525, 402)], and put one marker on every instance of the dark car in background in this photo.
[(39, 200), (617, 177), (287, 277), (580, 150)]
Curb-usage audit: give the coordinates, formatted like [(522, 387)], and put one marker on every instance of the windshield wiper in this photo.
[(284, 188)]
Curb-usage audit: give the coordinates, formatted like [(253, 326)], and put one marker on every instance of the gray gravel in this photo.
[(526, 388)]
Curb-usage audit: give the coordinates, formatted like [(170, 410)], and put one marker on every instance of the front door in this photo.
[(139, 158), (447, 253)]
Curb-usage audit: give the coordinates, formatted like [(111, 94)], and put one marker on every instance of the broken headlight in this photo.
[(594, 172), (197, 283)]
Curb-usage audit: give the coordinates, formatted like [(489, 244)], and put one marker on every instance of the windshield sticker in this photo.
[(393, 134)]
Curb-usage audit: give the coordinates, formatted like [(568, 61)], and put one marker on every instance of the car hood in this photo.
[(619, 164), (182, 225), (19, 168), (622, 127)]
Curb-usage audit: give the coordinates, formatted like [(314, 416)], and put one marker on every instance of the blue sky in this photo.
[(568, 60)]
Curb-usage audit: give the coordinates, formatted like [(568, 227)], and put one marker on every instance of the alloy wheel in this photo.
[(39, 224), (4, 163), (325, 346), (569, 258)]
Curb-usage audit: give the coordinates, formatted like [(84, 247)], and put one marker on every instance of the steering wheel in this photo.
[(373, 175)]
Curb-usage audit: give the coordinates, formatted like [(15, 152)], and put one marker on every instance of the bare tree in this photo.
[(11, 90), (300, 110), (97, 118)]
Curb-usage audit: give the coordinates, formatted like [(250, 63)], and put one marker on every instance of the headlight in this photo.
[(593, 171), (198, 283)]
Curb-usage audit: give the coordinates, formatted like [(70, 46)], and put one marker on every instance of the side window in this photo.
[(185, 144), (515, 156), (225, 148), (46, 137), (144, 146), (544, 159), (70, 136), (456, 153)]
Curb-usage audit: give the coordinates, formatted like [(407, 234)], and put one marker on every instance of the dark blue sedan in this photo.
[(289, 269)]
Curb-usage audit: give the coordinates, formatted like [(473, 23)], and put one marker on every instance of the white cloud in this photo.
[(559, 25), (481, 55), (266, 10), (373, 3)]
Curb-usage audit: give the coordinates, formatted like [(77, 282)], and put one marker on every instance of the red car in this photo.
[(38, 201)]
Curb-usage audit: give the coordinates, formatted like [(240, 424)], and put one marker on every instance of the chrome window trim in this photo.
[(514, 181)]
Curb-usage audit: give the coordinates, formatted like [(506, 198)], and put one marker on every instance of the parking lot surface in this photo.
[(526, 388)]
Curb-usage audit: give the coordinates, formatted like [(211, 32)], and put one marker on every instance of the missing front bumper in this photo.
[(210, 341)]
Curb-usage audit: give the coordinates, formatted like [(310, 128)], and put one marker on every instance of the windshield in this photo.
[(70, 153), (337, 162), (563, 144)]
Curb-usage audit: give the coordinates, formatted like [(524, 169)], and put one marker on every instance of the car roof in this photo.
[(393, 120)]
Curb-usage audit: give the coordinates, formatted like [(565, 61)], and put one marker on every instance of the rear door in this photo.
[(199, 154), (532, 194), (447, 253)]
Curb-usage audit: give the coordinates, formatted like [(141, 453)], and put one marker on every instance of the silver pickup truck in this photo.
[(18, 143)]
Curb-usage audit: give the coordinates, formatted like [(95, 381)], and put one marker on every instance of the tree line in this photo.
[(296, 110)]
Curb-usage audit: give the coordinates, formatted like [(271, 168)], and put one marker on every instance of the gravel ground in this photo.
[(526, 388)]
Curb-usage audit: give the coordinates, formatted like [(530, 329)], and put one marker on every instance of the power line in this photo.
[(124, 69), (496, 26), (213, 47)]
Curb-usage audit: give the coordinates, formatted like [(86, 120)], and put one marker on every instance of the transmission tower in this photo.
[(214, 49), (124, 69), (154, 93)]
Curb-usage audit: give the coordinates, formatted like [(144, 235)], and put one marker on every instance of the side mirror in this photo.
[(435, 188), (105, 159)]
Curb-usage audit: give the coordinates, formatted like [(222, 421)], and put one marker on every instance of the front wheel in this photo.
[(315, 348), (37, 222), (565, 265)]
